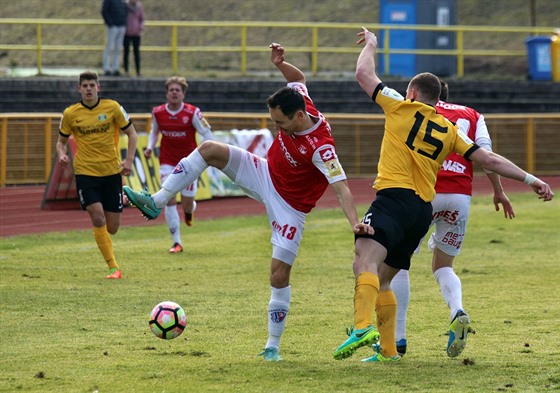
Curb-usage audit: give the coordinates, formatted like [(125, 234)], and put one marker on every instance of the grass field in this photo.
[(66, 329)]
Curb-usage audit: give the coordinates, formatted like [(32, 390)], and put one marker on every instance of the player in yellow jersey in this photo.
[(95, 124), (415, 143)]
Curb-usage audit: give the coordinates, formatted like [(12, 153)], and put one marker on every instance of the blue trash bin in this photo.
[(540, 59)]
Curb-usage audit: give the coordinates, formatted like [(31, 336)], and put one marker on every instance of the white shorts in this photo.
[(450, 216), (166, 170), (250, 173)]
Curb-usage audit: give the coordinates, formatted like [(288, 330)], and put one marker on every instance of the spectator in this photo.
[(114, 14), (134, 29)]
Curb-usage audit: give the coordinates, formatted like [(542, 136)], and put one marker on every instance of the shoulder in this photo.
[(159, 108)]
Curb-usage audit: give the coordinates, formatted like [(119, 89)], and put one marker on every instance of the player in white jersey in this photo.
[(451, 207), (301, 164)]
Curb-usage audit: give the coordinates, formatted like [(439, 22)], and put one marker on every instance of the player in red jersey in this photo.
[(450, 215), (177, 122), (301, 164)]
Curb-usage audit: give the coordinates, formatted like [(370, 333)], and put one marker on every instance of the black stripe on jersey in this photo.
[(379, 87), (471, 151)]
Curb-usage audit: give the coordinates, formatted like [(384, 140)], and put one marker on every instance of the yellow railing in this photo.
[(27, 140), (315, 32)]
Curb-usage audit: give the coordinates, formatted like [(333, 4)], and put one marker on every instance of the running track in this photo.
[(21, 214)]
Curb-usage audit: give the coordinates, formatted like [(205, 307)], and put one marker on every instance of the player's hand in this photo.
[(362, 229), (276, 53), (504, 201), (367, 37), (126, 168), (543, 190), (148, 153), (64, 161)]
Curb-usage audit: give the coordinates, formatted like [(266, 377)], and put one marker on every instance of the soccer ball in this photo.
[(168, 320)]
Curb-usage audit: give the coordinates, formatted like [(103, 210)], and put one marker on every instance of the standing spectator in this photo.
[(95, 124), (134, 29), (301, 164), (114, 14), (178, 123)]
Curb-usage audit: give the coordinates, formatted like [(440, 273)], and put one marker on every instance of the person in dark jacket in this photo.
[(115, 14)]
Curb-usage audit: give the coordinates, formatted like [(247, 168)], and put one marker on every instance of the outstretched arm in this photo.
[(365, 66), (347, 204), (290, 72), (506, 168)]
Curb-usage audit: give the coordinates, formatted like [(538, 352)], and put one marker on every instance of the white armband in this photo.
[(529, 179)]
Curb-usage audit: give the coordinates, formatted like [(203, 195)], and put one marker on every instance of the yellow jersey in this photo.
[(415, 143), (96, 133)]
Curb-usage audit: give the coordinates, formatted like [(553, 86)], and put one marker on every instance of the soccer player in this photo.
[(301, 163), (416, 141), (177, 122), (95, 124), (450, 215)]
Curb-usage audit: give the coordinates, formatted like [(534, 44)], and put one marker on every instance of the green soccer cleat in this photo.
[(379, 358), (271, 355), (458, 332), (358, 338), (143, 201)]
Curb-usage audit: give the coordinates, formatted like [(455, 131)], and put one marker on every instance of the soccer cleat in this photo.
[(271, 355), (189, 218), (458, 332), (143, 201), (358, 338), (401, 347), (176, 248), (115, 274), (381, 359)]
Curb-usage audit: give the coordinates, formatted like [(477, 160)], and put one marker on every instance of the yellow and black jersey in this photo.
[(96, 132), (415, 143)]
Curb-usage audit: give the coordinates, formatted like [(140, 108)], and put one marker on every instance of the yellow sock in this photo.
[(386, 310), (105, 245), (365, 295)]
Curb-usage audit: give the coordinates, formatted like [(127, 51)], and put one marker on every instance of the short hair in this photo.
[(288, 100), (444, 90), (89, 76), (428, 87), (179, 80)]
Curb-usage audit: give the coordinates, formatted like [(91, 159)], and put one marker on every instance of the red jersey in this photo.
[(178, 130), (302, 165), (456, 173)]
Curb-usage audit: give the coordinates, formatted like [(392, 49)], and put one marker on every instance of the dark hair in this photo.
[(428, 86), (288, 100), (444, 90), (89, 76)]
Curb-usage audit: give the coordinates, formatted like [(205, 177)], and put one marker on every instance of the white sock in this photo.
[(450, 286), (277, 314), (173, 222), (400, 285), (191, 168)]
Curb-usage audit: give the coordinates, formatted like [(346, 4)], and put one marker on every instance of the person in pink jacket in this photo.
[(134, 29)]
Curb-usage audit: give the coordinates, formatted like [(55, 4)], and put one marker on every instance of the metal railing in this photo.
[(314, 31), (28, 140)]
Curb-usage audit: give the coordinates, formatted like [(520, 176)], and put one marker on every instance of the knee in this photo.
[(112, 229)]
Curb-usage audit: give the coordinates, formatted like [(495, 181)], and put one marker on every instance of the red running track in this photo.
[(21, 214)]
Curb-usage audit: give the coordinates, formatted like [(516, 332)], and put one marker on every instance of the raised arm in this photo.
[(290, 72), (365, 66)]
